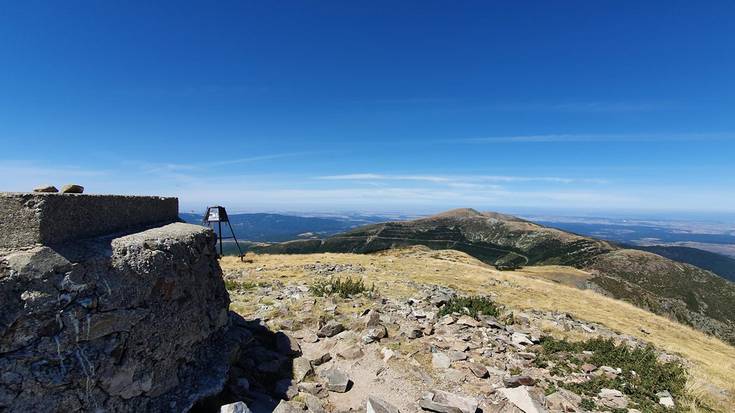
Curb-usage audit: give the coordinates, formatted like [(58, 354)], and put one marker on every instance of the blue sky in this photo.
[(376, 106)]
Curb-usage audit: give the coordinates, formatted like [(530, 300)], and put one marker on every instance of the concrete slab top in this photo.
[(50, 218)]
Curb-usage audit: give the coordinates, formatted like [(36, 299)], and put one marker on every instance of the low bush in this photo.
[(234, 285), (344, 288), (642, 374), (472, 306)]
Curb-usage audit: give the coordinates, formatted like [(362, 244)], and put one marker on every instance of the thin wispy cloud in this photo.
[(157, 168), (455, 179), (596, 137)]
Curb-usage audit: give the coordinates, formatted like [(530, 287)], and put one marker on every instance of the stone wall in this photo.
[(133, 323), (50, 218)]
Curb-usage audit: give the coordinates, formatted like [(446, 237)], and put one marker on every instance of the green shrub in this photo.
[(234, 285), (472, 306), (642, 374), (344, 288)]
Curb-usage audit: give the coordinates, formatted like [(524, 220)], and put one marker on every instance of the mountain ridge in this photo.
[(684, 292)]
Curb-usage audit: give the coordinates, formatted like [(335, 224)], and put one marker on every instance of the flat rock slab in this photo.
[(440, 401), (521, 398), (376, 405)]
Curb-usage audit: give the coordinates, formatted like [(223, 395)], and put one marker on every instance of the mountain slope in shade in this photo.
[(717, 263), (684, 292)]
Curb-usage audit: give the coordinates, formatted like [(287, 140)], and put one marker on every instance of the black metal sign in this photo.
[(218, 214)]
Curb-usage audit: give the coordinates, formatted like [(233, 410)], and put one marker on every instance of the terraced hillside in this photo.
[(682, 292)]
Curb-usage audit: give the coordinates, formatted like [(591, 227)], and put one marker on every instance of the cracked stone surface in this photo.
[(134, 323)]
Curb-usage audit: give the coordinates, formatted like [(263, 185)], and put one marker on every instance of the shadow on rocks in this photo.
[(261, 372)]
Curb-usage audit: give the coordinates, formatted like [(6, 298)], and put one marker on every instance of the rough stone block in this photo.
[(28, 219)]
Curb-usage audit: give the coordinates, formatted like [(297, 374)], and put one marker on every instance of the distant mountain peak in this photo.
[(458, 213)]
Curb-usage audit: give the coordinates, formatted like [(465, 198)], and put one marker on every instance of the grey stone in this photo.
[(478, 370), (376, 405), (375, 334), (522, 399), (286, 407), (440, 360), (564, 401), (46, 188), (337, 380), (319, 360), (521, 339), (313, 403), (468, 321), (515, 381), (237, 407), (301, 369), (316, 389), (444, 402), (414, 333), (332, 328), (613, 399), (72, 189), (372, 319), (48, 218), (665, 399)]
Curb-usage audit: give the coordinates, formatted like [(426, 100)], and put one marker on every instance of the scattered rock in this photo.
[(414, 333), (318, 361), (440, 360), (444, 402), (337, 380), (521, 398), (72, 189), (564, 401), (665, 399), (521, 339), (313, 403), (286, 407), (588, 368), (613, 399), (372, 319), (237, 407), (515, 381), (45, 188), (315, 389), (301, 369), (478, 370), (332, 328), (375, 334), (376, 405), (468, 321)]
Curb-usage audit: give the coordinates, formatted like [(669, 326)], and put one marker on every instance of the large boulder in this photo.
[(134, 323)]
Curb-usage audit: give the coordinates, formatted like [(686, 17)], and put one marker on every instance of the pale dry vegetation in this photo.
[(712, 362)]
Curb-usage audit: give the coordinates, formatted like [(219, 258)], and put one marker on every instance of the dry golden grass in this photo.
[(712, 362)]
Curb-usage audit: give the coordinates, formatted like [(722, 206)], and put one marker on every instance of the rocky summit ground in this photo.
[(410, 338)]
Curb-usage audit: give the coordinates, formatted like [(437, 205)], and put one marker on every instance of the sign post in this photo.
[(218, 214)]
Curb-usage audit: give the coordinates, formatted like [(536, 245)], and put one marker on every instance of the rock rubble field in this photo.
[(312, 349)]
